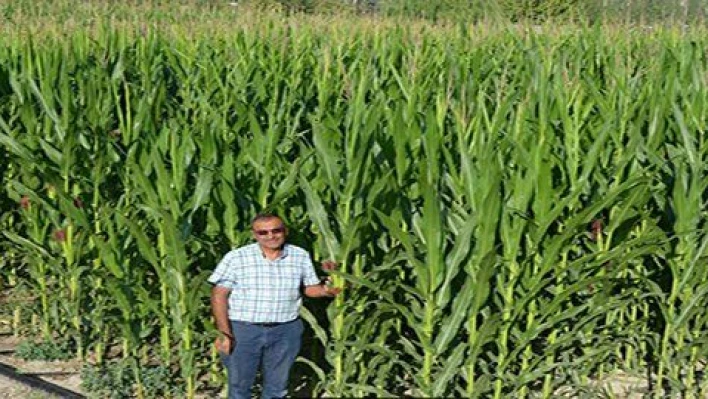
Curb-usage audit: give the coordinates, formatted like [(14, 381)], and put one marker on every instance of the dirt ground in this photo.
[(66, 374), (63, 374), (616, 385), (10, 388)]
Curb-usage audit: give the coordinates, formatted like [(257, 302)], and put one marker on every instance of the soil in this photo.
[(617, 384), (66, 374), (63, 374), (10, 389)]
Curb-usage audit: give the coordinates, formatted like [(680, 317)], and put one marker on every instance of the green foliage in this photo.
[(44, 350), (301, 6), (443, 10), (648, 11), (539, 10), (117, 379), (611, 11), (112, 380)]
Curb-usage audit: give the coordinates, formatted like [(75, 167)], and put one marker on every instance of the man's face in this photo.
[(270, 233)]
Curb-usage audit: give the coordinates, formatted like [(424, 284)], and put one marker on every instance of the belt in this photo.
[(270, 324)]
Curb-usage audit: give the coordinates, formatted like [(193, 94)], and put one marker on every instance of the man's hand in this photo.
[(329, 265), (331, 291), (325, 288), (224, 344), (321, 291), (219, 308)]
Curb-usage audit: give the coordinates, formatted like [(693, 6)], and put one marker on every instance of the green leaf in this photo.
[(12, 145)]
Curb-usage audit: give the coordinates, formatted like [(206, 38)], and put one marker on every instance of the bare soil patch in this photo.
[(617, 384), (65, 374), (10, 388)]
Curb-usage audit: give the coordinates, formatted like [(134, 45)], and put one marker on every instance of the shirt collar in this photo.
[(283, 253)]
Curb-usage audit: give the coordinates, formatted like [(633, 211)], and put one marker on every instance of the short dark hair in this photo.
[(264, 216)]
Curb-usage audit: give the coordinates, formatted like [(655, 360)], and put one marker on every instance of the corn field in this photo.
[(515, 213)]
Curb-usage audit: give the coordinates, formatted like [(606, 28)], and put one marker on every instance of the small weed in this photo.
[(113, 380), (44, 350), (117, 380), (157, 381)]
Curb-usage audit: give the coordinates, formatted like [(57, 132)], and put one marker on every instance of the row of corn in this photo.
[(520, 215)]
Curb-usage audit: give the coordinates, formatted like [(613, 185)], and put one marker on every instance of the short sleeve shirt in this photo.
[(262, 290)]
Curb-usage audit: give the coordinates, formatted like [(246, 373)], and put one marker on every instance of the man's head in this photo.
[(269, 231)]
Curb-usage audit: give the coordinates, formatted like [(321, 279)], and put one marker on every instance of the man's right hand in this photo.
[(224, 344)]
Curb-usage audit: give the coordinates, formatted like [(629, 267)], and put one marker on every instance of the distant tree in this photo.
[(540, 9)]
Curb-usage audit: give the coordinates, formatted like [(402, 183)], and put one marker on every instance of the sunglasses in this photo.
[(277, 230)]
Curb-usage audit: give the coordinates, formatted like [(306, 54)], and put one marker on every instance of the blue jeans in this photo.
[(275, 347)]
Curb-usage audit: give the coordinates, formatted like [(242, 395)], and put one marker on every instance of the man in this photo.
[(255, 301)]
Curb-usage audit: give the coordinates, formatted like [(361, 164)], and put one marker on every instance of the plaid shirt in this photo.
[(262, 290)]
